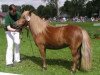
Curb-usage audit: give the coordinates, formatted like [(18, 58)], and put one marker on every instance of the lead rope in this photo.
[(28, 36)]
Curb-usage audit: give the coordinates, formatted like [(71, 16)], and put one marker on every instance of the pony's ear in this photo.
[(30, 12), (27, 15)]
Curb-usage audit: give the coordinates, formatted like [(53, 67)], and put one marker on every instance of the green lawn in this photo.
[(58, 62)]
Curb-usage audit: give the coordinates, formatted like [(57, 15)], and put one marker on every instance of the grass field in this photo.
[(58, 62)]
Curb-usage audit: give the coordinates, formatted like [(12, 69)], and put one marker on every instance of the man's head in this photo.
[(12, 9)]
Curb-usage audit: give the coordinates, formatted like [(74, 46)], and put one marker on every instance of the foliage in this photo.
[(71, 7), (19, 8), (40, 10), (81, 7), (89, 9), (28, 7), (54, 3), (5, 8), (74, 7), (47, 12), (96, 4), (93, 7)]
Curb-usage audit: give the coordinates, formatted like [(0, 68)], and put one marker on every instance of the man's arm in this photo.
[(10, 29)]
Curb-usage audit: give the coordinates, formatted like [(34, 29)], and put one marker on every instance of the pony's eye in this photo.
[(23, 17)]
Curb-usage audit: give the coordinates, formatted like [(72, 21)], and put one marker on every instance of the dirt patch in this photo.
[(97, 38)]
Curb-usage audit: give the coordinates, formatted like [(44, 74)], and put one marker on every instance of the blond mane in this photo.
[(37, 24)]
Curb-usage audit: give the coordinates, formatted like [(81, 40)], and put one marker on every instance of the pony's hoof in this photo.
[(44, 68), (72, 73)]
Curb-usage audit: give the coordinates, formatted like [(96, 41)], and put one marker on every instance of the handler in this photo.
[(12, 35)]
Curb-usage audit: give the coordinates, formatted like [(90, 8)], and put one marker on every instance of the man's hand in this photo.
[(10, 29), (15, 25)]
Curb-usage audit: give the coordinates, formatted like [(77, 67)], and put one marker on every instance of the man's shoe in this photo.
[(10, 65), (17, 61)]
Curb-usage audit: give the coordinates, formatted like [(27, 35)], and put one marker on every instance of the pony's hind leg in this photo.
[(75, 57), (79, 59)]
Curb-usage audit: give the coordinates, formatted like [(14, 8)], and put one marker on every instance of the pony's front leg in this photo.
[(43, 56)]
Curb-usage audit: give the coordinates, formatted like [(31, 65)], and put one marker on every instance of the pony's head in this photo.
[(24, 19), (26, 15), (36, 24)]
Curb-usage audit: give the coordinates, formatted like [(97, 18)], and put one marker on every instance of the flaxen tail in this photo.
[(86, 52)]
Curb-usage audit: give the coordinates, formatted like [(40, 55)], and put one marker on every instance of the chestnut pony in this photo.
[(51, 37)]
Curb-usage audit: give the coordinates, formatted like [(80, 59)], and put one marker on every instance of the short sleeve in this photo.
[(7, 20)]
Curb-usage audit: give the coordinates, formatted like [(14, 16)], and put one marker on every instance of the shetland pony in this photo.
[(51, 37)]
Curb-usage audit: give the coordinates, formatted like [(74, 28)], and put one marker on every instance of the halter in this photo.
[(27, 18)]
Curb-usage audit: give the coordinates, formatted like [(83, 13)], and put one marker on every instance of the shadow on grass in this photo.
[(59, 62)]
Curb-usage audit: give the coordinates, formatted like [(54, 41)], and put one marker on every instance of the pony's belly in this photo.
[(55, 47)]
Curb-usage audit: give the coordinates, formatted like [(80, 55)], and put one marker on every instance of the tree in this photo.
[(74, 7), (68, 8), (49, 11), (18, 8), (28, 7), (89, 9), (55, 3), (5, 8), (96, 6), (40, 10)]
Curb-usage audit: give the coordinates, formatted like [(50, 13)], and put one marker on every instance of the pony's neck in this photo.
[(37, 25)]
